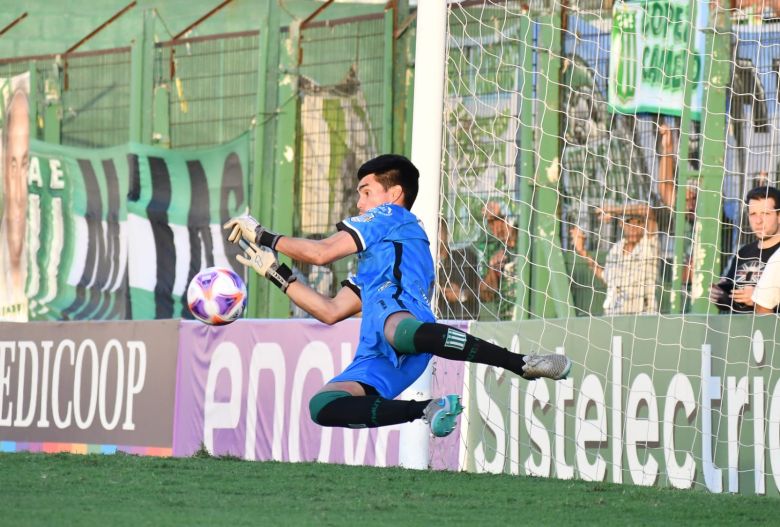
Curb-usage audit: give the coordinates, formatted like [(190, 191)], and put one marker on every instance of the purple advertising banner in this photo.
[(447, 378), (244, 390)]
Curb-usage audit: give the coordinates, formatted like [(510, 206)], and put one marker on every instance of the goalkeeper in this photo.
[(392, 287)]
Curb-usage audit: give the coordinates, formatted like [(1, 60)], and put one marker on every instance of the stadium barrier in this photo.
[(168, 388), (644, 405), (88, 387), (667, 401)]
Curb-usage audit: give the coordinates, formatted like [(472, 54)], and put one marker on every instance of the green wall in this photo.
[(53, 27)]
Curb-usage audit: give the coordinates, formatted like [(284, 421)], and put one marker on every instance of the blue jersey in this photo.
[(395, 273), (394, 255)]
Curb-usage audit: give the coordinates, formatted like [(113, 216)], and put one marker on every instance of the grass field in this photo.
[(65, 489)]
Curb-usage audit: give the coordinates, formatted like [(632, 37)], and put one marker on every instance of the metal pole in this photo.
[(102, 26), (427, 115), (10, 26), (387, 96), (430, 69), (200, 20)]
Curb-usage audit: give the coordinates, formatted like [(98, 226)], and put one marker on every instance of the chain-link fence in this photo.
[(96, 98), (341, 125), (211, 85)]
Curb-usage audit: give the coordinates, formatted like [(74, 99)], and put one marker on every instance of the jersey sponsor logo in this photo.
[(363, 218), (384, 286), (384, 210)]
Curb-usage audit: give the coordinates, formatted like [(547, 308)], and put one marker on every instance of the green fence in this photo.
[(321, 98), (210, 87)]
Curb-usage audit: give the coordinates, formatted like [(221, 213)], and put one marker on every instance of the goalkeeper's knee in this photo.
[(412, 336), (321, 400)]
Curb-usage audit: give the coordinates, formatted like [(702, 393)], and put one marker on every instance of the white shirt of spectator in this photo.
[(631, 278), (767, 291)]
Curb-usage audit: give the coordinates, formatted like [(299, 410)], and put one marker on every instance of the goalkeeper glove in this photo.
[(263, 261), (247, 227)]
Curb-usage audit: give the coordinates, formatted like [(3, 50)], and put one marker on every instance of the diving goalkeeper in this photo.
[(392, 287)]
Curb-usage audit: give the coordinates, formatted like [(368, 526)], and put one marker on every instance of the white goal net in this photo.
[(596, 161)]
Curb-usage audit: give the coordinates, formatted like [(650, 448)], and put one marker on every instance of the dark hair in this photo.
[(392, 169), (764, 192)]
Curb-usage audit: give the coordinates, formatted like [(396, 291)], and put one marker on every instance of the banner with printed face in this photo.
[(14, 145), (88, 386), (118, 233), (244, 390)]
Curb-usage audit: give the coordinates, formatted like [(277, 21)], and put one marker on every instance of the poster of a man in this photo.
[(13, 218)]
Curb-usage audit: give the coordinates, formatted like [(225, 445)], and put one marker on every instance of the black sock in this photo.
[(450, 343), (369, 411)]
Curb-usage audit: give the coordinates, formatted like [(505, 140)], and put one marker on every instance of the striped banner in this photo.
[(118, 233)]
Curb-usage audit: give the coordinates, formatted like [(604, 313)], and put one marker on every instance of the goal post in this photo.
[(426, 155)]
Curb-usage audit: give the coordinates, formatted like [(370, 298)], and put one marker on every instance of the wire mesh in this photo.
[(212, 86), (96, 99), (341, 109)]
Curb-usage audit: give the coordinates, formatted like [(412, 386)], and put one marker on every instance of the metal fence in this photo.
[(91, 89), (211, 85), (95, 97), (205, 92), (341, 115)]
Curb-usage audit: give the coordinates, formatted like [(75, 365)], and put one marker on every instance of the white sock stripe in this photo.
[(455, 339)]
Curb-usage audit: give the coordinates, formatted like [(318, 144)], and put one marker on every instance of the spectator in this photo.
[(766, 296), (631, 269), (498, 289), (458, 279), (734, 290)]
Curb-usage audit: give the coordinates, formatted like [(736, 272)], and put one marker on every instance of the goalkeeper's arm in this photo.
[(325, 309), (317, 252)]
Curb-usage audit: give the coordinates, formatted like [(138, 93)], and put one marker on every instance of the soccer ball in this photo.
[(216, 296)]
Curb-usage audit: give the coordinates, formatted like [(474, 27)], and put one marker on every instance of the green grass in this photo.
[(64, 489)]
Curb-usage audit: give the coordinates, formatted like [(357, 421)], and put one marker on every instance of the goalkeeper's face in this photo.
[(371, 194)]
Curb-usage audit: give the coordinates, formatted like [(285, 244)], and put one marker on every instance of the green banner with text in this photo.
[(649, 63)]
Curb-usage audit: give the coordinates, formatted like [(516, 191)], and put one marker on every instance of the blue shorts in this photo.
[(376, 363)]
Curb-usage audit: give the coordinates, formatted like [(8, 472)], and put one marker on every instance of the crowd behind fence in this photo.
[(203, 91)]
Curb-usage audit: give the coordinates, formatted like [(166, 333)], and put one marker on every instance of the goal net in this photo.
[(596, 159)]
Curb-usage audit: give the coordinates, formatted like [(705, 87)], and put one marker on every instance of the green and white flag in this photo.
[(118, 233), (648, 64)]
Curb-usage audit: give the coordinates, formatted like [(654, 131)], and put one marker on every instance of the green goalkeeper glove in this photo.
[(263, 261), (248, 228)]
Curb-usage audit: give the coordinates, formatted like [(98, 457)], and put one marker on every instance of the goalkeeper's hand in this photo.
[(248, 228), (264, 262)]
